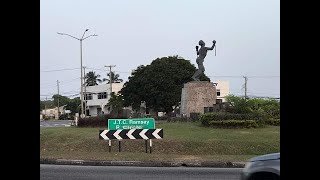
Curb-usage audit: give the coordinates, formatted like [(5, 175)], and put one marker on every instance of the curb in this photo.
[(211, 164)]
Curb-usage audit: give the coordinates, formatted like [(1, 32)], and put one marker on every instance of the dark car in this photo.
[(266, 167)]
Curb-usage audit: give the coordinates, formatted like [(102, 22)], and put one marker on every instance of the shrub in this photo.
[(162, 118), (234, 124), (179, 119)]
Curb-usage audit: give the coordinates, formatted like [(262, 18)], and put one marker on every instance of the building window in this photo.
[(88, 97), (218, 101), (218, 92), (208, 109), (102, 95)]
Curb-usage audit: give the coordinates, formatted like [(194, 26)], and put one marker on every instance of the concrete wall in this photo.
[(196, 95)]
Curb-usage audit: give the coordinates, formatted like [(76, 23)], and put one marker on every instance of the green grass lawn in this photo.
[(182, 141)]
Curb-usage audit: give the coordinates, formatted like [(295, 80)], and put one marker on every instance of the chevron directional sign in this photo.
[(131, 134)]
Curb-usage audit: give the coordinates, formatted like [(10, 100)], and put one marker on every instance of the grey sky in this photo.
[(133, 33)]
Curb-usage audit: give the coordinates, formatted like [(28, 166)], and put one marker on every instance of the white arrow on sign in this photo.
[(142, 134), (155, 134), (116, 134), (103, 134), (129, 134)]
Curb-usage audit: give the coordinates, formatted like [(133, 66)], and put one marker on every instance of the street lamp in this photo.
[(80, 39)]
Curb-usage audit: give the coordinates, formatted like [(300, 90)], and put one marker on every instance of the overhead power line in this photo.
[(61, 82), (58, 70)]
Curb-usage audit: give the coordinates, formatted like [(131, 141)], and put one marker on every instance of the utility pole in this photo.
[(245, 86), (85, 92), (45, 107), (81, 78), (110, 78), (58, 98)]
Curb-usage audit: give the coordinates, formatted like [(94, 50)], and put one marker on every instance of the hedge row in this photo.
[(206, 118), (272, 122), (92, 123), (234, 124), (99, 121)]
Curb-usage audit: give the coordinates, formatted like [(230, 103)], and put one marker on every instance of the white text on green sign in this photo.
[(143, 123)]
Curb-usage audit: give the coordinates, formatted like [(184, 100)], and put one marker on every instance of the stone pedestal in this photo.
[(196, 95)]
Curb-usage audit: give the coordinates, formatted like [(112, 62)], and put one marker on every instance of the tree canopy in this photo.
[(92, 79), (71, 104), (240, 105), (159, 84), (114, 77)]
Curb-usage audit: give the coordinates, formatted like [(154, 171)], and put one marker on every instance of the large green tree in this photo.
[(46, 104), (92, 79), (71, 104), (63, 100), (116, 103), (159, 84), (74, 105)]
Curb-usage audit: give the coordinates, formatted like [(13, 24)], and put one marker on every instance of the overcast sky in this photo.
[(135, 32)]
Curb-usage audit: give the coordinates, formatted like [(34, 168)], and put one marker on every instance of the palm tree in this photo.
[(92, 78), (114, 77)]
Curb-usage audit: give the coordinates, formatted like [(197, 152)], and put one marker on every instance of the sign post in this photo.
[(150, 146), (146, 145)]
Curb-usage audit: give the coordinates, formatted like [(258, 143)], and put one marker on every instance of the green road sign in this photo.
[(142, 123)]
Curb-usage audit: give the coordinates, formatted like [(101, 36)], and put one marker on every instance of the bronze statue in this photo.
[(201, 53)]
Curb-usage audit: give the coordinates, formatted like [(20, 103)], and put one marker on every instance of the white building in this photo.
[(223, 90), (52, 113), (98, 96)]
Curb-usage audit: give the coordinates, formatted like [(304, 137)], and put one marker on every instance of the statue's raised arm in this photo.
[(211, 48), (202, 53)]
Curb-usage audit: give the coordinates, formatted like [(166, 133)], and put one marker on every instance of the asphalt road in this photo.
[(59, 172), (57, 123)]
